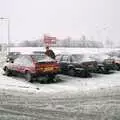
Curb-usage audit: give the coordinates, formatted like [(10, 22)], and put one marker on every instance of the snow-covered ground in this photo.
[(65, 84), (71, 98)]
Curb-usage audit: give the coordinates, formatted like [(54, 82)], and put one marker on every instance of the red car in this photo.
[(32, 66)]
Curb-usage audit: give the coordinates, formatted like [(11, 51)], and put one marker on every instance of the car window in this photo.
[(38, 57), (73, 59), (27, 61), (58, 57), (38, 53), (65, 58), (76, 58), (18, 60)]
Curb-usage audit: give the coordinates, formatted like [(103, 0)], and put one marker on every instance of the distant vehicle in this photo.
[(116, 56), (33, 66), (104, 62), (117, 62), (114, 53), (76, 64)]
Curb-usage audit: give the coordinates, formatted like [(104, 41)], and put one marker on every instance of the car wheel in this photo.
[(85, 73), (50, 78), (117, 67), (106, 71), (71, 72), (101, 70), (28, 76), (7, 71)]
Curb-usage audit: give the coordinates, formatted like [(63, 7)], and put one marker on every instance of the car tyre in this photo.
[(7, 71), (117, 67), (85, 73), (71, 72), (50, 78), (28, 76), (102, 70)]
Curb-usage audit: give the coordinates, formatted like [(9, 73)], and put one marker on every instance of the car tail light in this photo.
[(39, 67)]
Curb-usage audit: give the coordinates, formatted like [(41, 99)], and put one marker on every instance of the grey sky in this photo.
[(29, 19)]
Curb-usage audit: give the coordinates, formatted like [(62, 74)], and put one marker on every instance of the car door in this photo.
[(17, 64), (65, 61), (27, 64), (73, 62)]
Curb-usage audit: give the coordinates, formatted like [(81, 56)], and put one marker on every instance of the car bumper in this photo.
[(38, 74)]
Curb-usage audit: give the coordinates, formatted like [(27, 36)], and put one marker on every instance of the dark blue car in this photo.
[(76, 64)]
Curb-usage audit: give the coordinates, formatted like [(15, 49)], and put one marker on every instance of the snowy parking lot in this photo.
[(66, 83), (70, 98)]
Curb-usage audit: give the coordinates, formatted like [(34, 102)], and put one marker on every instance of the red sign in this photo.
[(49, 39)]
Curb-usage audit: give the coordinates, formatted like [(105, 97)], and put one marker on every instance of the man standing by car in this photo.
[(50, 52)]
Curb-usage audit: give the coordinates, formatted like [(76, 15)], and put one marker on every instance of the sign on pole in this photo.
[(49, 39)]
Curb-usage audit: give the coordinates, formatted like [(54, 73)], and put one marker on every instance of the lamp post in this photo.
[(8, 21), (99, 32)]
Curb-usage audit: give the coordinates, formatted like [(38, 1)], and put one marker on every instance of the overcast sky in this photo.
[(30, 19)]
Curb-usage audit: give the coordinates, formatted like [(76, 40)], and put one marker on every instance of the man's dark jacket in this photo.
[(50, 53)]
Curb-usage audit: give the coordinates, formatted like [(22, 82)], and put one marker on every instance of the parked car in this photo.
[(32, 66), (76, 64), (116, 56), (104, 62), (117, 62)]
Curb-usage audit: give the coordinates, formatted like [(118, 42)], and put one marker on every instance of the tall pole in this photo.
[(8, 35), (99, 31), (8, 24)]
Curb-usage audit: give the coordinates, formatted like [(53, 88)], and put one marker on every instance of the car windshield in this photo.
[(13, 53), (81, 58), (78, 57), (38, 57), (41, 58)]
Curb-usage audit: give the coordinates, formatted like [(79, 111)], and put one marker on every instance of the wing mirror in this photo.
[(7, 60), (10, 60)]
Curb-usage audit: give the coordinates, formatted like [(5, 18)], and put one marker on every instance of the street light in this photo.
[(99, 32), (3, 18)]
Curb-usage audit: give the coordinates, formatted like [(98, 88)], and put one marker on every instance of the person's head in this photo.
[(47, 47)]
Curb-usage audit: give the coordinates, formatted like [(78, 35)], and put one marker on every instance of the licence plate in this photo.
[(48, 69)]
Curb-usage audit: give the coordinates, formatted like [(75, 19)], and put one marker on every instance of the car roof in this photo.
[(69, 54), (33, 53)]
